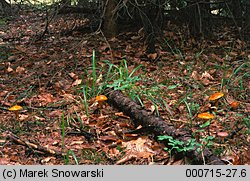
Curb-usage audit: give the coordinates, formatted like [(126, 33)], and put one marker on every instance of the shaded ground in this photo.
[(46, 78)]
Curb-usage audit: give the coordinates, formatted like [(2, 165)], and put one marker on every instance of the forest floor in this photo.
[(57, 78)]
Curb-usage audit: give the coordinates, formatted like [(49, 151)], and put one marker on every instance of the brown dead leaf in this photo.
[(9, 70), (46, 98), (58, 86), (23, 117), (69, 97), (108, 138), (207, 76), (152, 56), (231, 159), (20, 70), (195, 75), (73, 76), (189, 57), (2, 141), (4, 161), (55, 143), (55, 113), (216, 57), (139, 148), (12, 58), (206, 81), (153, 108), (39, 118), (76, 142), (77, 82), (120, 114), (46, 160), (126, 158)]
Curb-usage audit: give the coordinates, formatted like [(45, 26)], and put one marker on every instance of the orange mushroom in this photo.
[(100, 100), (16, 109), (216, 96), (234, 104), (205, 116)]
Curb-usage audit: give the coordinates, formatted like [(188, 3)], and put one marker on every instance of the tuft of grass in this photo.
[(63, 130), (118, 77), (93, 156), (68, 155), (236, 81), (84, 100)]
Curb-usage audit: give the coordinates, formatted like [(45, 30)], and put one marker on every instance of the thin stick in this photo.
[(28, 144)]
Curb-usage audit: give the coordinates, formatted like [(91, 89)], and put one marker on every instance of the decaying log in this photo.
[(140, 116)]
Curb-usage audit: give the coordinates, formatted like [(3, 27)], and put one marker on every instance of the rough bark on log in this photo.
[(142, 117)]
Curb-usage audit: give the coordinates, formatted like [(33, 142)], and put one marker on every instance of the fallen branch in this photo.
[(28, 144), (158, 125)]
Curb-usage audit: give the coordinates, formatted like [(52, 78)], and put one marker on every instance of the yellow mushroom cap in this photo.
[(216, 96), (205, 116), (15, 108), (101, 98)]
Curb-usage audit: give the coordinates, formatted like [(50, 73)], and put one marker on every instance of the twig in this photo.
[(48, 21), (28, 144)]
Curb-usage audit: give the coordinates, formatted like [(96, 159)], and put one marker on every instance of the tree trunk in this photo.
[(152, 20), (66, 2), (198, 17), (5, 8), (247, 18), (109, 26), (236, 10)]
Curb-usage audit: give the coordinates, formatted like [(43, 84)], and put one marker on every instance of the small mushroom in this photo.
[(206, 116), (222, 135), (215, 98), (234, 104), (100, 100), (16, 109)]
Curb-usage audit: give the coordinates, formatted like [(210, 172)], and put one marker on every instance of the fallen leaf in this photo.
[(77, 82), (20, 69), (73, 76), (206, 81), (23, 117), (120, 114), (195, 75), (139, 148), (152, 56), (108, 138), (76, 142), (47, 159), (46, 98), (12, 58), (4, 161), (207, 76), (9, 70)]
